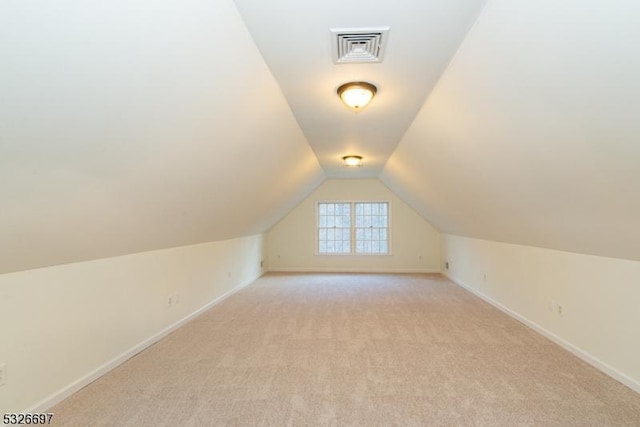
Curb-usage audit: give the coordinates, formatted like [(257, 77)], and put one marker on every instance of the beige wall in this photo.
[(414, 242), (63, 326), (599, 297)]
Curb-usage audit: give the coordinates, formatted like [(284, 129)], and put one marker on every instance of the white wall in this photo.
[(414, 242), (599, 297), (62, 326)]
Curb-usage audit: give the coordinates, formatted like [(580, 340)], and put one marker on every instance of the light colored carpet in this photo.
[(353, 349)]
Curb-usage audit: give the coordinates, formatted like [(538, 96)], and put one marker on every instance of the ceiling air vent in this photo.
[(359, 44)]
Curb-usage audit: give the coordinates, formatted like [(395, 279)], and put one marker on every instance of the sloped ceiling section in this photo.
[(532, 135), (296, 42), (128, 126)]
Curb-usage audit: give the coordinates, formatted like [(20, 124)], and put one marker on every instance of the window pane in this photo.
[(334, 221), (371, 222)]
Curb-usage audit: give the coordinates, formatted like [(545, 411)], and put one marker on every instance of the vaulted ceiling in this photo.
[(296, 43), (131, 125), (532, 135)]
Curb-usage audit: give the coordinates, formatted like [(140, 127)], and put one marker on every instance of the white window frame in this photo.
[(352, 228)]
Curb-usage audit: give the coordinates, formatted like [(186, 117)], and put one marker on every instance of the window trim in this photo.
[(352, 229)]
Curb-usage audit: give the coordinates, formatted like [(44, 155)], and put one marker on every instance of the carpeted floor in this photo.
[(353, 350)]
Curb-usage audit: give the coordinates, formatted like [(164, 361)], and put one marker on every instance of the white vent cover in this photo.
[(359, 44)]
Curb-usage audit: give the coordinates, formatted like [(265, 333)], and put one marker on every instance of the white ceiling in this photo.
[(532, 136), (294, 38), (127, 126), (132, 125)]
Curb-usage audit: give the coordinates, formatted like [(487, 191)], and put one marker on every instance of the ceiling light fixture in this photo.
[(352, 161), (356, 95)]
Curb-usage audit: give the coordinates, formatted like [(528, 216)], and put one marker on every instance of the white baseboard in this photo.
[(72, 388), (576, 351), (352, 270)]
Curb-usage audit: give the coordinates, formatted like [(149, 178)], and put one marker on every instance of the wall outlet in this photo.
[(447, 265), (170, 301), (557, 308), (3, 374), (261, 263)]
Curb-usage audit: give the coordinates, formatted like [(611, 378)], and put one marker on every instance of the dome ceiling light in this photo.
[(352, 161), (356, 95)]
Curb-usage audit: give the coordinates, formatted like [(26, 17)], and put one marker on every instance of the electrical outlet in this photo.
[(447, 265), (169, 301), (3, 374), (557, 308), (261, 263)]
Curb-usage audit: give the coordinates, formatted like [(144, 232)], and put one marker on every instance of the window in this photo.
[(334, 228), (345, 228), (371, 228)]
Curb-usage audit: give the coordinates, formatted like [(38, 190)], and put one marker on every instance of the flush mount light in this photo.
[(356, 95), (352, 161)]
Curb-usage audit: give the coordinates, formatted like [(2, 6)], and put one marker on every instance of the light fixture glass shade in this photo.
[(356, 95), (352, 161)]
